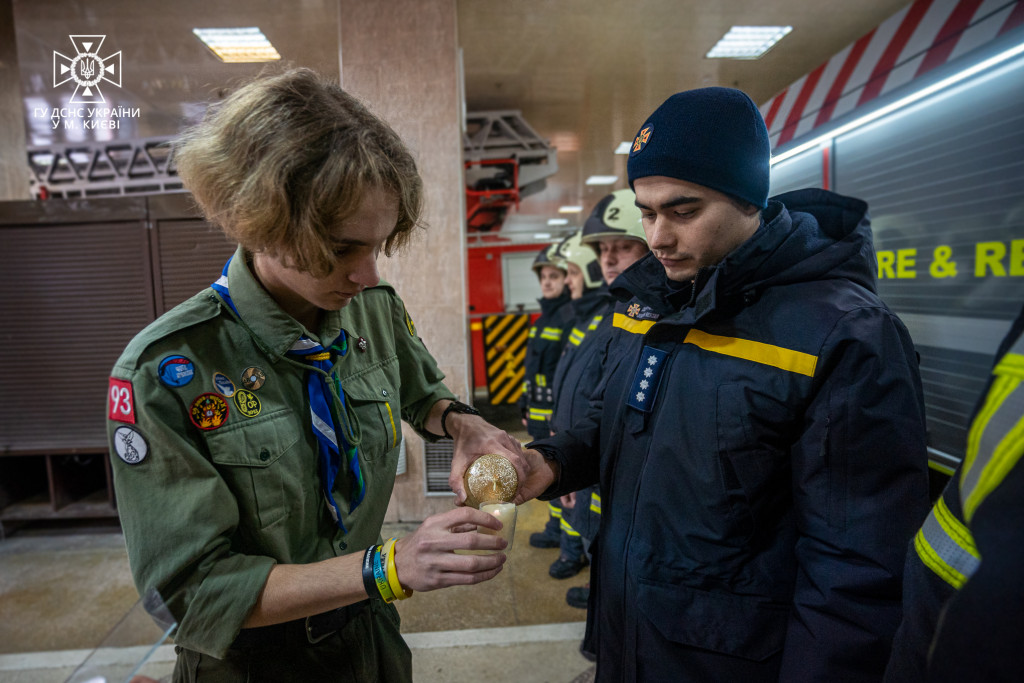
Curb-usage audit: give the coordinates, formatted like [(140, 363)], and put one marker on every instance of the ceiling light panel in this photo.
[(238, 45), (601, 179), (747, 42)]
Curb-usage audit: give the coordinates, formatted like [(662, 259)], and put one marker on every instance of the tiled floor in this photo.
[(61, 594)]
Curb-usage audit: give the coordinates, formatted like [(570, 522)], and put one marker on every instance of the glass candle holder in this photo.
[(506, 513)]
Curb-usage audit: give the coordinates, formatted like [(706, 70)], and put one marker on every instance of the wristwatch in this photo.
[(458, 407)]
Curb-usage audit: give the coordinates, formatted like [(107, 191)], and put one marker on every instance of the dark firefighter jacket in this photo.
[(962, 597), (578, 373), (763, 461), (547, 339)]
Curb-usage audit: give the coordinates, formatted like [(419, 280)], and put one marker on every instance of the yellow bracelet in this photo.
[(396, 587)]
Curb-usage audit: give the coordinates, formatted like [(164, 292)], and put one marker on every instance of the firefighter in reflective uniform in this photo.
[(589, 293), (614, 234), (543, 348), (963, 599)]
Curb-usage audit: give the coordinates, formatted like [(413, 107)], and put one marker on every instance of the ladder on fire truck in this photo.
[(505, 160)]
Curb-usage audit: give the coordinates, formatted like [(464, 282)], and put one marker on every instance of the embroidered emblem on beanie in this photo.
[(641, 139)]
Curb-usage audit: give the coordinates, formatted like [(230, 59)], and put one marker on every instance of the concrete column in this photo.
[(401, 58), (14, 173)]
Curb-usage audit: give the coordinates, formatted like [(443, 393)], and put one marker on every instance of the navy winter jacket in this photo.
[(763, 461), (543, 349), (579, 371)]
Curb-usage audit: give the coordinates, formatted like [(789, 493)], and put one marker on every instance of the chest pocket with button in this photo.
[(260, 461), (374, 413)]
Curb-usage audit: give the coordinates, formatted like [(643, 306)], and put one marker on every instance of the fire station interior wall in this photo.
[(13, 174), (942, 179), (404, 63)]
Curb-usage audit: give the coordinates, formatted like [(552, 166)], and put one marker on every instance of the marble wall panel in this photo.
[(400, 57)]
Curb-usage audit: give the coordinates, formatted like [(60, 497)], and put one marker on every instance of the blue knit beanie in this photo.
[(713, 137)]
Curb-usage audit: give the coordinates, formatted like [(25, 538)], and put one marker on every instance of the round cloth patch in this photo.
[(130, 445), (253, 378), (176, 371), (641, 139), (223, 385), (247, 402), (209, 411)]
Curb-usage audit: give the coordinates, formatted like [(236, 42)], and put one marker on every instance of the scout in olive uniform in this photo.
[(255, 428)]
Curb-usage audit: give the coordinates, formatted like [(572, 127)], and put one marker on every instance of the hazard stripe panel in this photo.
[(505, 338)]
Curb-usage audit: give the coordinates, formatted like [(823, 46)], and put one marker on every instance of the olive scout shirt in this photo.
[(214, 458)]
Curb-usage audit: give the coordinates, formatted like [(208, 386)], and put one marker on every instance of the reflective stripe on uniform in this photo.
[(556, 512), (533, 332), (551, 333), (995, 441), (595, 502), (631, 325), (567, 528), (757, 352), (576, 336), (539, 414), (946, 546), (541, 380), (594, 322)]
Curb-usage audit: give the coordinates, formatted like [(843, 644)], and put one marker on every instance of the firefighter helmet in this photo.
[(584, 257), (548, 256), (616, 215)]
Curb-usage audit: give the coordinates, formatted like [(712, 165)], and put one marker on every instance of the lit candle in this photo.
[(506, 514)]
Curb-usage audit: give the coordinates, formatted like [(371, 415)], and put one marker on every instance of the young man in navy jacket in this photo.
[(760, 424)]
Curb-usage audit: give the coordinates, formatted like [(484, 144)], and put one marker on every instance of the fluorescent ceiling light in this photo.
[(747, 42), (542, 235), (235, 45), (558, 221), (624, 148), (601, 179), (570, 209), (901, 103)]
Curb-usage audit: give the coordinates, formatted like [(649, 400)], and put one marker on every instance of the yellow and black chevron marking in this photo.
[(505, 350)]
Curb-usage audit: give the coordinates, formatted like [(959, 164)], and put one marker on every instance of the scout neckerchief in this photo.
[(317, 387)]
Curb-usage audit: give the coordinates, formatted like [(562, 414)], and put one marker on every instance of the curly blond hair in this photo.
[(285, 158)]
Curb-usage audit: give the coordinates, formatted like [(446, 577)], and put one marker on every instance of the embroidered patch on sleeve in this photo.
[(121, 401), (130, 445)]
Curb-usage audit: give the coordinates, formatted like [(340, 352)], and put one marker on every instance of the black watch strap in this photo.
[(457, 407)]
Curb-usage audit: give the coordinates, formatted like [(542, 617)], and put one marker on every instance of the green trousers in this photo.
[(368, 648)]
